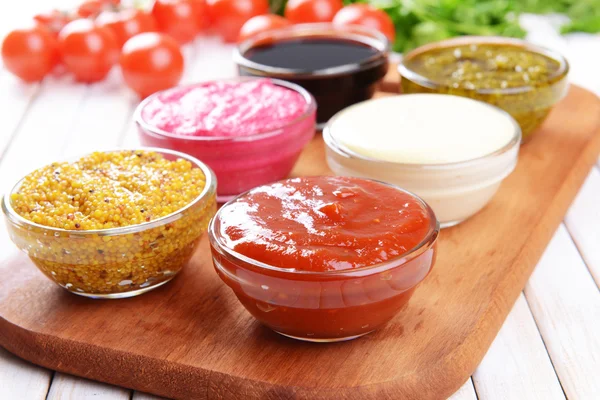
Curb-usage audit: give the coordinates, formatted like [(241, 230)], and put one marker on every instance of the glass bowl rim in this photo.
[(209, 187), (425, 244), (372, 37), (410, 74), (311, 107), (333, 144)]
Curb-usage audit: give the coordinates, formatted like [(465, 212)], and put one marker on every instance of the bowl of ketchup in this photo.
[(324, 258)]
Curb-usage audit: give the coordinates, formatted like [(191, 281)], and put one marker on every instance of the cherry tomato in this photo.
[(88, 51), (30, 53), (367, 16), (179, 19), (126, 23), (53, 20), (261, 23), (151, 62), (90, 8), (201, 14), (228, 16), (301, 11)]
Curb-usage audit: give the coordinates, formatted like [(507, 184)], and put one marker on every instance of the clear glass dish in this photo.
[(243, 162), (326, 306), (455, 191), (528, 104), (117, 262), (334, 88)]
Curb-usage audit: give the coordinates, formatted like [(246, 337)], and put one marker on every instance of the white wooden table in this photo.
[(548, 348)]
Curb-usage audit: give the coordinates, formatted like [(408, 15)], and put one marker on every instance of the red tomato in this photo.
[(261, 23), (54, 20), (126, 23), (90, 8), (202, 14), (228, 16), (367, 16), (301, 11), (30, 53), (178, 18), (151, 62), (88, 51)]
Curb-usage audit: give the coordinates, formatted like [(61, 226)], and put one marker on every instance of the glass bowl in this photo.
[(454, 190), (117, 262), (326, 306), (333, 88), (243, 162), (529, 104)]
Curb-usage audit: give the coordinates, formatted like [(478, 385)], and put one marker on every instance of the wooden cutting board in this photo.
[(192, 339)]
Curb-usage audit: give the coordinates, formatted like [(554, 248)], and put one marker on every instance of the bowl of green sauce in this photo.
[(523, 79)]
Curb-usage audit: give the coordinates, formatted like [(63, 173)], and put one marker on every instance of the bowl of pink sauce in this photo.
[(250, 131)]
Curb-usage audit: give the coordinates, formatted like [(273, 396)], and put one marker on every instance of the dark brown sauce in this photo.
[(307, 62), (311, 54)]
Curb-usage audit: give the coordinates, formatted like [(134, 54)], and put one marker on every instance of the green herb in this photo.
[(584, 14), (422, 21), (589, 24)]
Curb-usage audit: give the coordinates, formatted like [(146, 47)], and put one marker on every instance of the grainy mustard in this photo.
[(105, 190)]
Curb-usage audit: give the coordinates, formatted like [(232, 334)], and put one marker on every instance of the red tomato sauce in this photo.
[(332, 250), (317, 224)]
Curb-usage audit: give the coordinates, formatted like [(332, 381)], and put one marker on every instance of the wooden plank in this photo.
[(16, 95), (67, 387), (16, 14), (466, 392), (12, 16), (145, 396), (190, 51), (101, 118), (583, 223), (14, 103), (213, 61), (22, 380), (584, 69), (130, 139), (517, 365), (565, 303), (42, 134)]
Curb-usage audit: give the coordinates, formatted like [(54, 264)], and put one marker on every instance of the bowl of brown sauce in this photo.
[(339, 66)]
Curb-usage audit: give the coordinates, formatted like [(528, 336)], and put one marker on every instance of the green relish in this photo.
[(524, 80)]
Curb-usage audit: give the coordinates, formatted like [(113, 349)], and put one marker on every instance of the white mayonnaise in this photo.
[(451, 151), (423, 129)]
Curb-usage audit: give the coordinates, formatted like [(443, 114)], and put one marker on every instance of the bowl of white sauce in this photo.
[(452, 151)]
